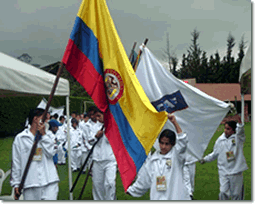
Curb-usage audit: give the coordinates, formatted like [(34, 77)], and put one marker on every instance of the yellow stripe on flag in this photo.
[(145, 121)]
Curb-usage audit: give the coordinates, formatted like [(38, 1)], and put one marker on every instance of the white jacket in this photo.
[(102, 150), (85, 127), (159, 165), (76, 138), (233, 143), (40, 173), (61, 135)]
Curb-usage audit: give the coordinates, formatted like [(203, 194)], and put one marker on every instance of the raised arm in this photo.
[(172, 118)]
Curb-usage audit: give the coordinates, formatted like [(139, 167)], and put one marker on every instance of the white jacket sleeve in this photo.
[(16, 166), (48, 145), (91, 136), (212, 156), (142, 183), (181, 145), (240, 132)]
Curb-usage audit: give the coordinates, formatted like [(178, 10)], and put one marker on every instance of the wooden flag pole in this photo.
[(139, 54), (132, 52), (38, 135)]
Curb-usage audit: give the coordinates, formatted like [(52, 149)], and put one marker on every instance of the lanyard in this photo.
[(161, 165), (227, 141)]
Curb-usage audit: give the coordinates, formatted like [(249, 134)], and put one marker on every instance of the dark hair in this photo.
[(61, 117), (85, 115), (98, 110), (74, 120), (231, 124), (168, 134), (55, 116), (92, 108), (33, 113), (74, 112)]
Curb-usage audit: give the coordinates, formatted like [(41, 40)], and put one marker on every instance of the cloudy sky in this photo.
[(42, 28)]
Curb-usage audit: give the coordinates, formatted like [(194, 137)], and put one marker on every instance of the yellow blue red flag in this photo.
[(96, 57)]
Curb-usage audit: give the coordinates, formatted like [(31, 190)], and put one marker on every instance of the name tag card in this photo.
[(38, 154), (230, 156), (161, 183)]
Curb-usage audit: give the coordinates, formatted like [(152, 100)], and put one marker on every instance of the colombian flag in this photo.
[(96, 57)]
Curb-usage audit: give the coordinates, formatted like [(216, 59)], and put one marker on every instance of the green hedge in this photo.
[(14, 110)]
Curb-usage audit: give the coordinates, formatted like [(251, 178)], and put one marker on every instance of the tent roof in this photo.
[(19, 78)]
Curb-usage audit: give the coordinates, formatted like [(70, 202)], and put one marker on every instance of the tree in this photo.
[(25, 58), (170, 57), (230, 45), (203, 75), (192, 65), (174, 62), (228, 61), (194, 53), (167, 53), (242, 46)]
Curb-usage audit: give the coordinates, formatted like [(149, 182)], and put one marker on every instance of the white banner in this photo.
[(198, 114), (52, 110)]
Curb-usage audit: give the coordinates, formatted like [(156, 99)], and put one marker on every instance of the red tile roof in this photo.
[(223, 91)]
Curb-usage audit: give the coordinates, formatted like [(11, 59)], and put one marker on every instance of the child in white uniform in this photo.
[(104, 165), (42, 179), (76, 142), (163, 172), (228, 150)]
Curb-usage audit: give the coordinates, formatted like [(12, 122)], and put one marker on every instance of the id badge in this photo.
[(230, 156), (38, 154), (168, 163), (161, 183)]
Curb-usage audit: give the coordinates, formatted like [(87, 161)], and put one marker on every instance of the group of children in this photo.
[(163, 173), (42, 179)]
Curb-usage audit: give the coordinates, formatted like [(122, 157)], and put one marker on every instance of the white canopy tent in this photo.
[(18, 78)]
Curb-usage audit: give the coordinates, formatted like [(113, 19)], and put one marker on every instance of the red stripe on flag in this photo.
[(81, 68), (126, 164)]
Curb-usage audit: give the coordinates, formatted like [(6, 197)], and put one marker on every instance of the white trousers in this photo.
[(48, 192), (231, 187), (83, 158), (61, 155), (189, 177), (75, 159), (104, 180)]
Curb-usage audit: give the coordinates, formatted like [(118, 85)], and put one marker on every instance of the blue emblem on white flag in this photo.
[(170, 103)]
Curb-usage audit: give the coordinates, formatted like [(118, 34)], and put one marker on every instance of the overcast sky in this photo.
[(42, 28)]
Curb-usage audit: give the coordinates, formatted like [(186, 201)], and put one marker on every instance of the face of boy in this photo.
[(55, 129), (92, 116), (74, 125), (164, 145), (228, 130), (99, 117), (37, 120)]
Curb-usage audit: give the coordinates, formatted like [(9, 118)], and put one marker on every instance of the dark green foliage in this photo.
[(213, 70)]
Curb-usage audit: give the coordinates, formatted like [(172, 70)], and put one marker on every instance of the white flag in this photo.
[(52, 110), (198, 114), (245, 72)]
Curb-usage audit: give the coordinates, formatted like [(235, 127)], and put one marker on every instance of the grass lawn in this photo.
[(206, 179)]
